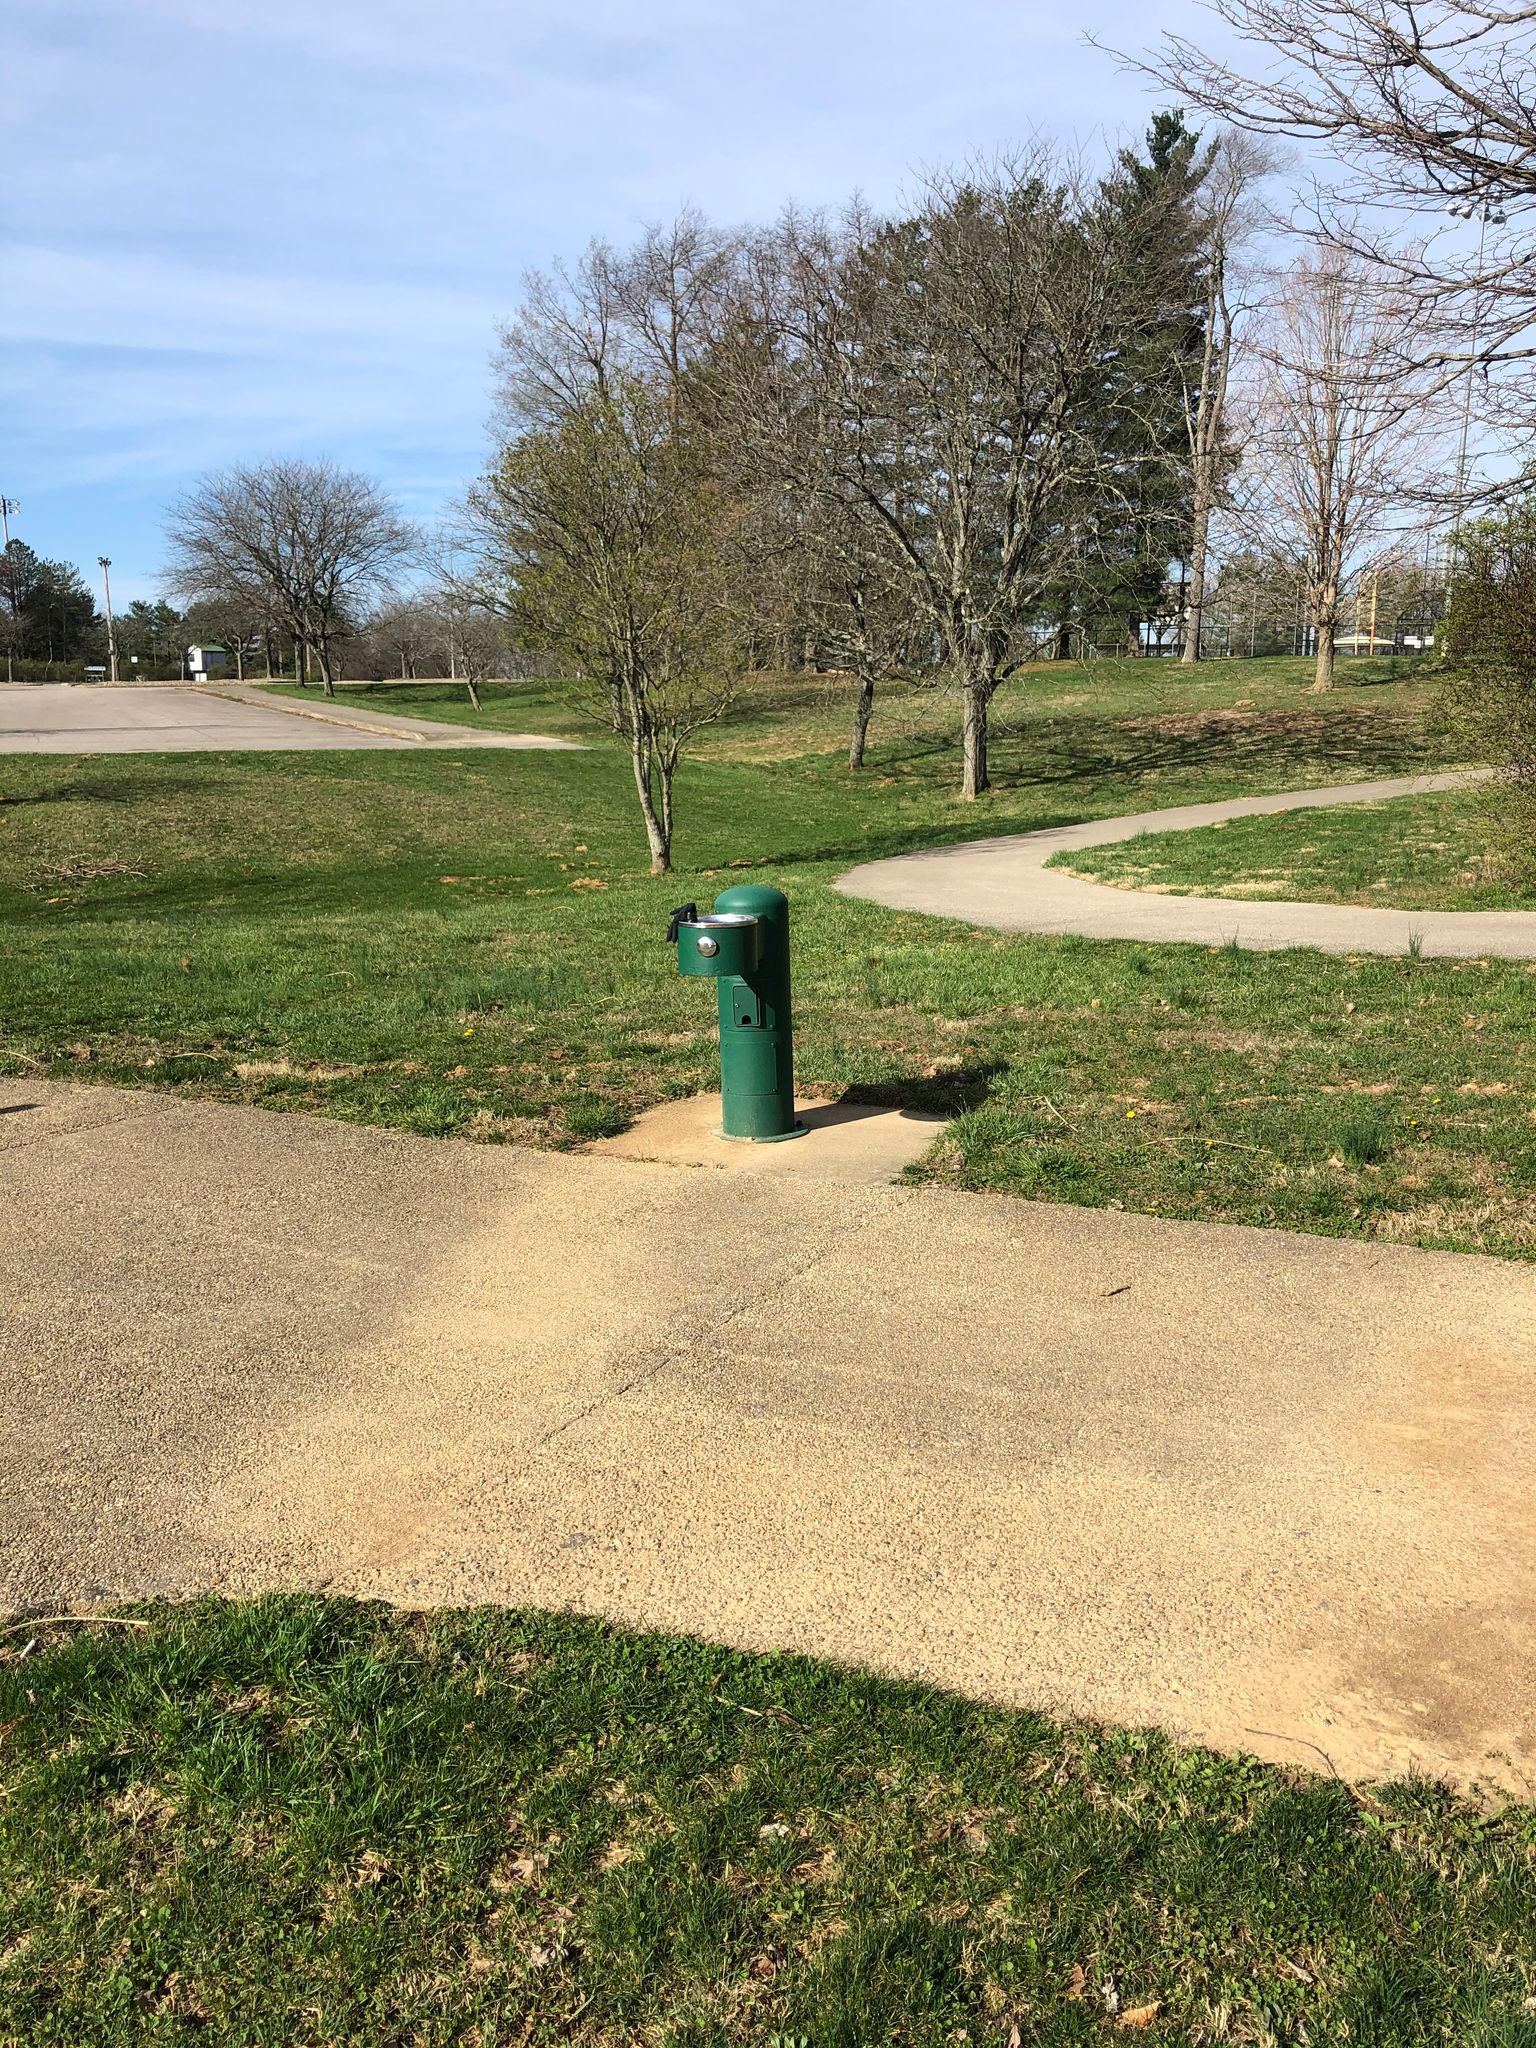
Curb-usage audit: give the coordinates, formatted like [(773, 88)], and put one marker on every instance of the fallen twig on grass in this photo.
[(1226, 1144), (86, 1620), (766, 1714), (1356, 1792)]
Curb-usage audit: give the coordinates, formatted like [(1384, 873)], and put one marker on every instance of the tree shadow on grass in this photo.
[(84, 793), (951, 1093), (1035, 753), (1112, 762), (921, 836)]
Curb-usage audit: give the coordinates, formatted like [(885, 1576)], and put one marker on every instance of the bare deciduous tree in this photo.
[(479, 642), (474, 628), (1229, 221), (304, 543), (410, 632), (670, 292), (614, 553), (863, 629), (1419, 103), (1422, 97), (649, 312), (1339, 430), (935, 384), (607, 536)]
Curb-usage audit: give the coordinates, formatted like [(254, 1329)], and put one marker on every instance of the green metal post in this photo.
[(747, 953)]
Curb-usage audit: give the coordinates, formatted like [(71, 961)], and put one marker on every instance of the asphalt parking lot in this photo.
[(179, 718)]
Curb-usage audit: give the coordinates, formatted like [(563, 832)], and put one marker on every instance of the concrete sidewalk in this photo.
[(1270, 1491), (1005, 884)]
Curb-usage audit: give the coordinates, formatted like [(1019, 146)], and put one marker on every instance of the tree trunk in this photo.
[(657, 829), (863, 710), (1194, 588), (974, 737), (327, 673), (474, 694), (239, 659), (1327, 625), (666, 769), (1324, 671)]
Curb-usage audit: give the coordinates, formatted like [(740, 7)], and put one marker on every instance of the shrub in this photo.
[(1491, 643)]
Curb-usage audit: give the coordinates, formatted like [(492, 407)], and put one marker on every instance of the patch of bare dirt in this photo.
[(276, 1070), (1212, 1040), (487, 1127), (1475, 1221), (1201, 724)]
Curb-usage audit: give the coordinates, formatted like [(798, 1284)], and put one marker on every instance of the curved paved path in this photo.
[(1005, 883)]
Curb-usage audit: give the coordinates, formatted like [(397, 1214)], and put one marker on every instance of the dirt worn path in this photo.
[(1270, 1491), (1006, 885)]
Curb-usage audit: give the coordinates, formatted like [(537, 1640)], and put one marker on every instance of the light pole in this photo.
[(1489, 206), (7, 507), (106, 585)]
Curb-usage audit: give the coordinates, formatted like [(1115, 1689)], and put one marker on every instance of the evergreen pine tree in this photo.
[(1136, 523)]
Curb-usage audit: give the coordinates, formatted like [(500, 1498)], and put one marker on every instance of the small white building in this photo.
[(204, 661)]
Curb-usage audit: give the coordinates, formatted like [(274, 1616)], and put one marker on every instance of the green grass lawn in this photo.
[(1223, 708), (305, 1822), (1426, 852), (469, 944), (506, 707)]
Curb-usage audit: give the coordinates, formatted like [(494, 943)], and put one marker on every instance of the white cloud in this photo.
[(149, 301)]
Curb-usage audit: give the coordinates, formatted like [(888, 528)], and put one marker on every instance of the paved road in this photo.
[(1231, 1481), (1006, 885), (56, 718)]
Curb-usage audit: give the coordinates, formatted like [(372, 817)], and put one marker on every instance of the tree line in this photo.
[(1425, 117), (1038, 411), (50, 621), (47, 610), (941, 443)]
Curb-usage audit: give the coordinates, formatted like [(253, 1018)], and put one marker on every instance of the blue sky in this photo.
[(240, 228)]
